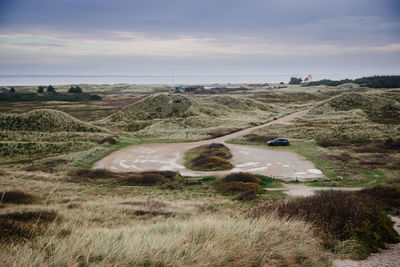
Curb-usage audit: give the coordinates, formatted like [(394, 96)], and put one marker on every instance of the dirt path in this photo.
[(256, 159)]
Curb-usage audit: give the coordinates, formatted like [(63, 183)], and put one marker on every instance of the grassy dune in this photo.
[(172, 116), (354, 135), (151, 226), (53, 213), (45, 121), (44, 133)]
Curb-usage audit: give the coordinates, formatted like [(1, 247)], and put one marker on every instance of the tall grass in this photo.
[(202, 241), (45, 120)]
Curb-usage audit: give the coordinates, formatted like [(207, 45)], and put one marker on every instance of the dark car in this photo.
[(279, 142)]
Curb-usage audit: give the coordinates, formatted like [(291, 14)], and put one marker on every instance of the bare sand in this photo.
[(255, 159)]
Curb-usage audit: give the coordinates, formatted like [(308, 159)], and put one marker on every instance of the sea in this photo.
[(27, 80)]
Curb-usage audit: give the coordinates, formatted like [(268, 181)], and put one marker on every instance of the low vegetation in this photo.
[(339, 216), (247, 184), (23, 226), (129, 178), (152, 218), (385, 81), (351, 135), (17, 197), (209, 157), (25, 97), (184, 117)]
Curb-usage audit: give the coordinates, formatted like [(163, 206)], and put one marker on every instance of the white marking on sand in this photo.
[(314, 171), (243, 152), (257, 169), (123, 165), (248, 164), (286, 166)]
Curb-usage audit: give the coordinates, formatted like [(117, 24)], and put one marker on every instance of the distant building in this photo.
[(4, 91)]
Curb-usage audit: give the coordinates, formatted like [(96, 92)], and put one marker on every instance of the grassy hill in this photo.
[(43, 133), (173, 115), (45, 120), (378, 107)]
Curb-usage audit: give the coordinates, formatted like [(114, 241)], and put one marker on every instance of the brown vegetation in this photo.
[(17, 197), (129, 178), (339, 216), (210, 157), (20, 226)]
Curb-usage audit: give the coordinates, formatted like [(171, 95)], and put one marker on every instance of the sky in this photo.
[(199, 37)]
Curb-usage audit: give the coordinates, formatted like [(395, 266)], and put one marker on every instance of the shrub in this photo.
[(207, 162), (17, 197), (388, 196), (110, 140), (294, 80), (211, 157), (48, 97), (150, 177), (231, 187), (75, 90), (145, 179), (247, 195), (19, 226), (51, 89), (340, 216), (93, 174), (245, 177)]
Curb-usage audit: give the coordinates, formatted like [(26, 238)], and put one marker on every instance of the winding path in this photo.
[(256, 159)]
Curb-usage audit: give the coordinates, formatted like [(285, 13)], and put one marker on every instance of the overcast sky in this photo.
[(200, 37)]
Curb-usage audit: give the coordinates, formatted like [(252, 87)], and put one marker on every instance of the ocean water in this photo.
[(15, 80)]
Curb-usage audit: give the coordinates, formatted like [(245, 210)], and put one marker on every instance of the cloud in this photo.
[(122, 43)]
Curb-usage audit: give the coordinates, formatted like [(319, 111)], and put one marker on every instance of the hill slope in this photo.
[(45, 120), (377, 107), (168, 115)]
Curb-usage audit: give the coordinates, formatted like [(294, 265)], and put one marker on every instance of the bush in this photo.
[(339, 216), (137, 178), (19, 226), (51, 89), (384, 81), (48, 97), (94, 174), (247, 195), (17, 197), (232, 187), (110, 140), (206, 162), (294, 80), (211, 157), (75, 90), (145, 179), (245, 177), (389, 197)]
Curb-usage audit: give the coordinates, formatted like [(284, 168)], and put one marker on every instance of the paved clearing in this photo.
[(255, 159)]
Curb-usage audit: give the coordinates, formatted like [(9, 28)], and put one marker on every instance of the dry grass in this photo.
[(203, 241), (183, 117)]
